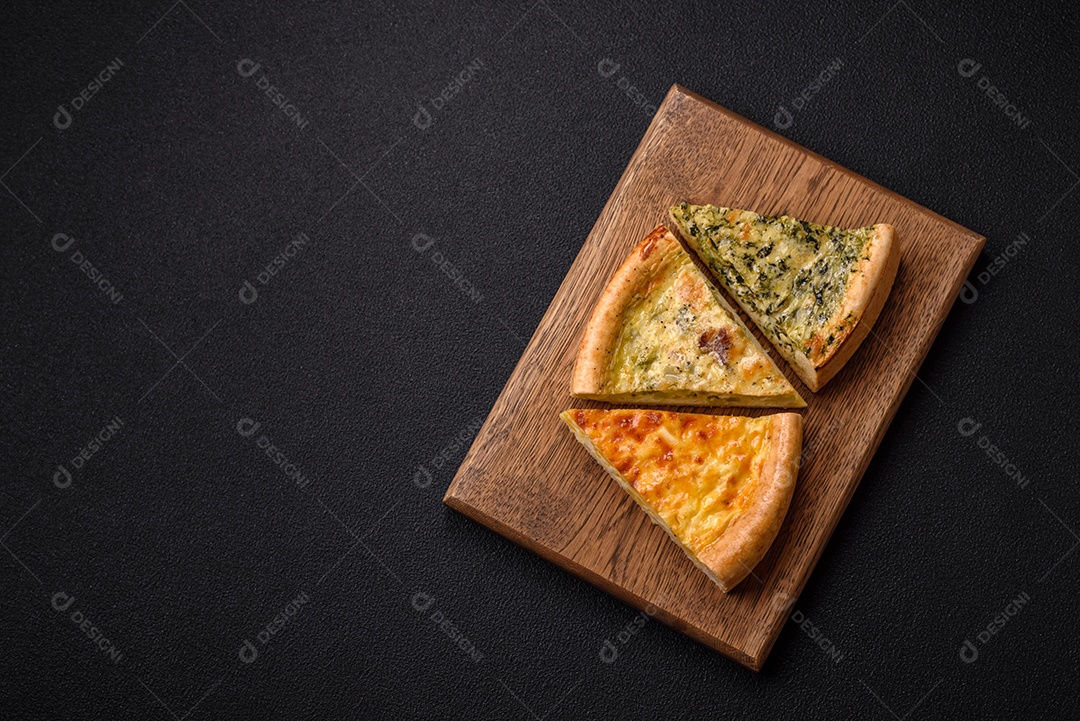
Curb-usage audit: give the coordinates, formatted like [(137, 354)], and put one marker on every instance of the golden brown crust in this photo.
[(852, 321), (647, 267), (632, 278), (745, 542), (867, 275), (769, 476), (863, 301)]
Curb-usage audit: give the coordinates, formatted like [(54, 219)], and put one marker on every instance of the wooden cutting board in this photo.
[(528, 479)]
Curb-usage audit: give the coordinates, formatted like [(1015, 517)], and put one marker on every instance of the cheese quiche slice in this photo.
[(719, 485), (814, 290), (661, 333)]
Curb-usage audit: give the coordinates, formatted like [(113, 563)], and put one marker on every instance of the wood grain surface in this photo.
[(528, 479)]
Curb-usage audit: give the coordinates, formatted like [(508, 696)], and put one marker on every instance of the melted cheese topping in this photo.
[(695, 473), (677, 337), (791, 274)]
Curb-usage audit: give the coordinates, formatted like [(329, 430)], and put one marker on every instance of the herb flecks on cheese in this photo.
[(677, 337), (791, 274)]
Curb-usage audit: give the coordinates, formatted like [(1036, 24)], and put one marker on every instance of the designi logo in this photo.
[(63, 118)]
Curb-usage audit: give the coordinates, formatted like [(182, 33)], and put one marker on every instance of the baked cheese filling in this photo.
[(678, 337), (792, 274), (695, 473)]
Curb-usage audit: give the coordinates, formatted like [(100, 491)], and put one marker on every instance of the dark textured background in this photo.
[(364, 362)]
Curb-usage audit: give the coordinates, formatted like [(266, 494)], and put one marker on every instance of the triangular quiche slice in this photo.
[(661, 333), (719, 485), (814, 290)]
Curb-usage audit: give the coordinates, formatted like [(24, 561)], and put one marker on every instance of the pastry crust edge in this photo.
[(731, 558), (594, 352), (746, 541), (864, 298)]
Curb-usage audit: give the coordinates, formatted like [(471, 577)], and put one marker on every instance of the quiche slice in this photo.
[(719, 485), (814, 290), (661, 333)]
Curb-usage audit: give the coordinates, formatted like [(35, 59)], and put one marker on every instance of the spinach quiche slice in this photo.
[(814, 290), (661, 333), (719, 485)]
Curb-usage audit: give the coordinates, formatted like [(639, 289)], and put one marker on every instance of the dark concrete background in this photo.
[(366, 364)]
